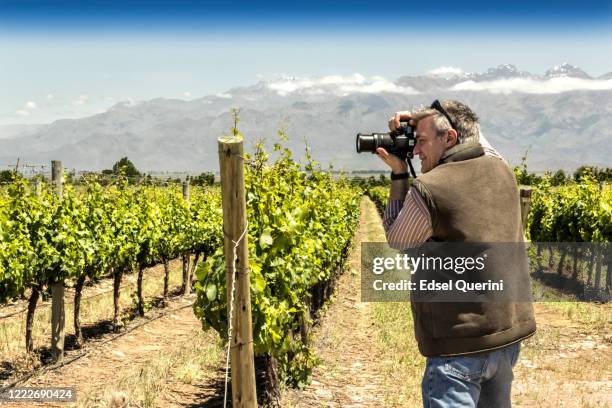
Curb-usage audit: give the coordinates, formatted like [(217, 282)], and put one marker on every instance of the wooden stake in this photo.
[(56, 177), (58, 317), (186, 276), (525, 204), (186, 190), (38, 188), (234, 223), (33, 300)]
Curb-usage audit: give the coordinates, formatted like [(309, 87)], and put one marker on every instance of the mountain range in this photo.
[(562, 119)]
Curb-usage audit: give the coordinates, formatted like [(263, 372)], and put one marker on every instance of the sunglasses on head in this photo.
[(438, 106)]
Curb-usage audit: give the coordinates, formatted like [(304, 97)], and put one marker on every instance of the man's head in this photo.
[(435, 134)]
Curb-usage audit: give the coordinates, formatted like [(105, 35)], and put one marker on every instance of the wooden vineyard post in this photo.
[(234, 224), (186, 190), (38, 188), (525, 204), (186, 275), (56, 177), (58, 319)]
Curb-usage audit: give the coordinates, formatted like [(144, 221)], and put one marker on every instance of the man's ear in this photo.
[(451, 138)]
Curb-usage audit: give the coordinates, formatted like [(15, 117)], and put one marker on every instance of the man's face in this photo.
[(428, 146)]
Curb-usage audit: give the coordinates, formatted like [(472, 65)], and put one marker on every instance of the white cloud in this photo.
[(187, 94), (534, 86), (81, 100), (224, 95), (50, 96), (336, 84), (27, 109), (445, 72), (287, 86)]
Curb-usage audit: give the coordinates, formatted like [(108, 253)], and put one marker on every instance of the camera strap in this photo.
[(411, 168)]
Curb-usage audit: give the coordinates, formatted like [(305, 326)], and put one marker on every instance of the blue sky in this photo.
[(67, 59)]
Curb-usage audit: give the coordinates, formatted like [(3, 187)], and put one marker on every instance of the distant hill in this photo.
[(562, 117)]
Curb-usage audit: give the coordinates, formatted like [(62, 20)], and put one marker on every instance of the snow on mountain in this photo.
[(566, 70), (503, 71), (506, 79)]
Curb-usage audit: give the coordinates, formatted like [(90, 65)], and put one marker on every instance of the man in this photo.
[(466, 193)]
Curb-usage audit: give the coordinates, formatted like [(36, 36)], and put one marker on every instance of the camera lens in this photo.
[(399, 143), (365, 143)]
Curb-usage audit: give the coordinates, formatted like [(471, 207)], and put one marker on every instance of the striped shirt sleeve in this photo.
[(407, 223)]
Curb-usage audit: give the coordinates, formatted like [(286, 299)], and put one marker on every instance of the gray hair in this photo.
[(465, 120)]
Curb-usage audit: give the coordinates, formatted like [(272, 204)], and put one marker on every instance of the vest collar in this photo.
[(462, 152)]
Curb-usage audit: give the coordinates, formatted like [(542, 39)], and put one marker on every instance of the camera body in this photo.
[(399, 143)]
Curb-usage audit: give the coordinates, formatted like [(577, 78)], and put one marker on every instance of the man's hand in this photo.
[(395, 120), (397, 165)]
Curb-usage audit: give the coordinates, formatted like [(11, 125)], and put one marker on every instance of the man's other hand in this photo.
[(395, 120)]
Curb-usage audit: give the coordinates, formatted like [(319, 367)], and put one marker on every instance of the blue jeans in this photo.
[(477, 381)]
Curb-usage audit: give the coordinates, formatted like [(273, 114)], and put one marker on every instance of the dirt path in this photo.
[(351, 372)]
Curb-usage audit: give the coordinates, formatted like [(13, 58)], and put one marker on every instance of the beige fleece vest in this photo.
[(474, 198)]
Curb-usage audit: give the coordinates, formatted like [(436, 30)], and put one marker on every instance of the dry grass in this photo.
[(568, 362), (593, 316), (403, 361), (395, 340), (163, 360), (98, 307), (146, 385)]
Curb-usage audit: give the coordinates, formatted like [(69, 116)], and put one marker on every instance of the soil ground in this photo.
[(368, 356)]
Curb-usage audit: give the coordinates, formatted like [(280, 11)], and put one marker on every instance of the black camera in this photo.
[(399, 143)]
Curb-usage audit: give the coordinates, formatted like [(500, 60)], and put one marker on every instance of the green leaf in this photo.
[(265, 240), (211, 292)]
